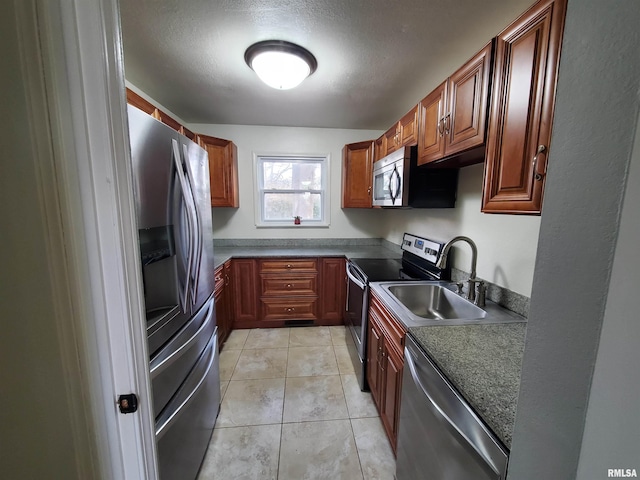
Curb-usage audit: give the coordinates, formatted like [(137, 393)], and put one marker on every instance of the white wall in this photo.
[(36, 433), (240, 222), (612, 439), (506, 243)]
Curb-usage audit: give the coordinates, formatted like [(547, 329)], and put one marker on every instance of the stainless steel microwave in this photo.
[(399, 182)]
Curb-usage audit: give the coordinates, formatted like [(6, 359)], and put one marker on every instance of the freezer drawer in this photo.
[(439, 436), (184, 428), (171, 366)]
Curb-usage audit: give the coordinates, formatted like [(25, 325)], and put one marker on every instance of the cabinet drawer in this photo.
[(287, 285), (289, 308), (284, 265)]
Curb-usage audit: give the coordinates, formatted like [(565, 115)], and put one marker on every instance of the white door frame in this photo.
[(71, 55)]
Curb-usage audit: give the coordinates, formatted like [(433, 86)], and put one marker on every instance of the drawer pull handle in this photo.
[(290, 309), (289, 265), (289, 285)]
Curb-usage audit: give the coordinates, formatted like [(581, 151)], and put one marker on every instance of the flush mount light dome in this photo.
[(279, 64)]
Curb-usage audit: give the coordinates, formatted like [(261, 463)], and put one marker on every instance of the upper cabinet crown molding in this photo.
[(522, 106), (453, 118)]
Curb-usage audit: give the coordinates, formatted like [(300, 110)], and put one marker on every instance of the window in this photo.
[(290, 187)]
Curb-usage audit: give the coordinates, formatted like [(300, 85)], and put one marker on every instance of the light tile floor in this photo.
[(292, 409)]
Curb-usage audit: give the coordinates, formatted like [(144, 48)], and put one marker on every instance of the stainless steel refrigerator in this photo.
[(173, 202)]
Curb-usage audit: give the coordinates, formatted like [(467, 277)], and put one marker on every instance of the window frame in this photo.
[(259, 192)]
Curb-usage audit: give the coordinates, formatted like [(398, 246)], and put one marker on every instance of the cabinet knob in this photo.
[(290, 309), (541, 150), (289, 285), (289, 265)]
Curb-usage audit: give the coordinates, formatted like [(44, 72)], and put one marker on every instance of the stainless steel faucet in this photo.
[(472, 281)]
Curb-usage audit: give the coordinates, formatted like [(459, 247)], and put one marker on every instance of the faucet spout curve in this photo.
[(442, 261)]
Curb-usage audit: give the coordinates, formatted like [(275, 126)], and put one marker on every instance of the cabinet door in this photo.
[(392, 139), (409, 128), (332, 291), (357, 175), (245, 291), (521, 116), (390, 410), (431, 129), (223, 170), (379, 148), (468, 92), (374, 353)]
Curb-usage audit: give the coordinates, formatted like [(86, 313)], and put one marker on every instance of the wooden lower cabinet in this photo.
[(283, 291), (385, 362), (244, 279), (333, 288), (223, 298)]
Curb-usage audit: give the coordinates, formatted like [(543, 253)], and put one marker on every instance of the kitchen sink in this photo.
[(435, 302), (426, 303)]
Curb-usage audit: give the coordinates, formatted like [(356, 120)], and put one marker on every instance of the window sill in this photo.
[(292, 225)]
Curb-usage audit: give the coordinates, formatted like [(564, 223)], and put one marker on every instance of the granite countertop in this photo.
[(483, 362), (222, 254)]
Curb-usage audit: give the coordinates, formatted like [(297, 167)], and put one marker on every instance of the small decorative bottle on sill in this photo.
[(297, 219)]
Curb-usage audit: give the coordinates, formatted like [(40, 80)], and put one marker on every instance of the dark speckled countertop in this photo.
[(483, 362), (222, 254)]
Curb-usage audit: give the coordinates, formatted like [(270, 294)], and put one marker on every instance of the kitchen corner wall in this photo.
[(506, 244), (250, 140)]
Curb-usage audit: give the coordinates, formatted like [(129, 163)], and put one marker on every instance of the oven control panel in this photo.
[(422, 247)]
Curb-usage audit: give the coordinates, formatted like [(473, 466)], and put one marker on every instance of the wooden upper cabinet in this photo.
[(357, 175), (408, 128), (379, 148), (223, 170), (453, 118), (431, 132), (521, 115), (404, 132)]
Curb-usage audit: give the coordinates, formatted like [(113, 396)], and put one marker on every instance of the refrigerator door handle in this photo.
[(158, 365), (195, 267), (168, 418), (177, 160)]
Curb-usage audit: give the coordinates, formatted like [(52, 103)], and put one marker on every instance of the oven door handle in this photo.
[(355, 280)]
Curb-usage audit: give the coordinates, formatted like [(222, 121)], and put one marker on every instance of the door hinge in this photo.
[(128, 403)]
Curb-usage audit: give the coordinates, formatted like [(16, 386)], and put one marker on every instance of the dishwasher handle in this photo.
[(444, 418)]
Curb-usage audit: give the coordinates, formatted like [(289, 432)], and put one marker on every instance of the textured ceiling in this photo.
[(376, 58)]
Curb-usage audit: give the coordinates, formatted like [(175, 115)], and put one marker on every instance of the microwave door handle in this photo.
[(184, 295), (398, 184), (196, 259), (393, 194)]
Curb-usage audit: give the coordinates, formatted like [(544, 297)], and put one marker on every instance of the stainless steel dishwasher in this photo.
[(440, 437)]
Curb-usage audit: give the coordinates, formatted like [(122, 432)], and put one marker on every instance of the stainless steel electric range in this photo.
[(419, 257)]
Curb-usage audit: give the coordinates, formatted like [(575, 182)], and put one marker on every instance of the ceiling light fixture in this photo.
[(279, 64)]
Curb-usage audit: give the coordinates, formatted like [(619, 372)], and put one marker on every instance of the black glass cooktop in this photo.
[(379, 269)]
